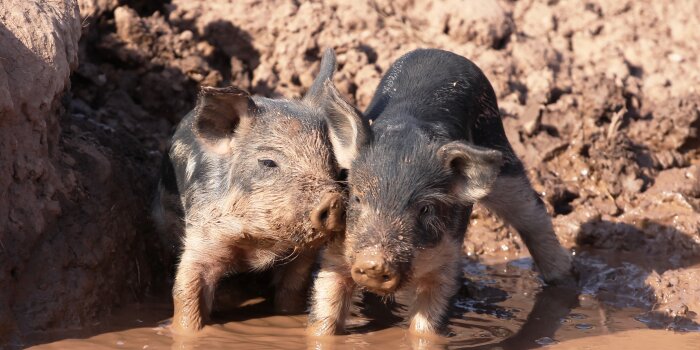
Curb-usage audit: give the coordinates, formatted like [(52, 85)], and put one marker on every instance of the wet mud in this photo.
[(500, 306)]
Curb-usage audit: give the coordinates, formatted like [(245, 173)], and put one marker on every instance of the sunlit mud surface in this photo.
[(500, 306)]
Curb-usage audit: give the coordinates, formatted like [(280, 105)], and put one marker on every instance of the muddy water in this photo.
[(501, 306)]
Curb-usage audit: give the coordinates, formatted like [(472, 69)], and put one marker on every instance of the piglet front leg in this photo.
[(437, 280), (332, 294), (195, 283), (292, 284)]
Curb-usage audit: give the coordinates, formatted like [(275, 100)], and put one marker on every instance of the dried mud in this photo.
[(599, 98)]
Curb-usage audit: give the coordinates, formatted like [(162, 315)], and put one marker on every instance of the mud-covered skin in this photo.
[(249, 183), (436, 146)]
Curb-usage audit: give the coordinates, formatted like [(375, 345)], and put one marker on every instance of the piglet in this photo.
[(250, 183), (435, 147)]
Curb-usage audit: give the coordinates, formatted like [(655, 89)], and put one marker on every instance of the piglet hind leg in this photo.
[(193, 292), (514, 200), (332, 295)]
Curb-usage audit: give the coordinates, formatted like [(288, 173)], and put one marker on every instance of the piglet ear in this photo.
[(325, 73), (475, 169), (220, 113), (348, 131)]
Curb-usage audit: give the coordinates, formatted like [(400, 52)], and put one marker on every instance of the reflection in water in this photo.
[(499, 307), (552, 305)]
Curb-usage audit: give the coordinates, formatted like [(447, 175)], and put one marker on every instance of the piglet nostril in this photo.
[(323, 215), (329, 216)]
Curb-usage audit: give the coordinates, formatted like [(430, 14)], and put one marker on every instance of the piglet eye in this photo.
[(268, 163), (355, 198), (426, 210)]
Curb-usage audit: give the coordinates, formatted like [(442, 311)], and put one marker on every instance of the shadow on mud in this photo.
[(625, 265), (651, 246), (552, 305), (235, 56)]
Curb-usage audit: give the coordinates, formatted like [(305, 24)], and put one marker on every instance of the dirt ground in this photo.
[(599, 98)]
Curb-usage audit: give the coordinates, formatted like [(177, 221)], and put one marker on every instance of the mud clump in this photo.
[(598, 98)]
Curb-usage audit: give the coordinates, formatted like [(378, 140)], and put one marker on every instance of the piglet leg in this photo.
[(332, 294), (292, 283), (195, 283), (513, 199), (435, 287)]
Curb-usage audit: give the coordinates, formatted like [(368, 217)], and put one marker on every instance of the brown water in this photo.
[(501, 306)]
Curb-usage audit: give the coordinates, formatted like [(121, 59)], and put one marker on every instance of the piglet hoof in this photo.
[(426, 336), (566, 281), (421, 328), (559, 270), (423, 342), (569, 280), (324, 343), (183, 327), (186, 324)]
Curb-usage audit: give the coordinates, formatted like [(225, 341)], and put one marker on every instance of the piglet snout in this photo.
[(373, 271), (329, 215)]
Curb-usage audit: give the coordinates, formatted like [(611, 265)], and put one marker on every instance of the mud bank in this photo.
[(599, 98)]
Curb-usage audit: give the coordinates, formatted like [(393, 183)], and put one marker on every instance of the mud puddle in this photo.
[(500, 306)]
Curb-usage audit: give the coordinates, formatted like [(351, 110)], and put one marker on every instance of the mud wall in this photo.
[(35, 69), (73, 193)]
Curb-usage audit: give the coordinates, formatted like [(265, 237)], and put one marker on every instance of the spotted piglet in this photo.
[(250, 183)]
